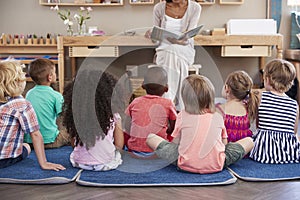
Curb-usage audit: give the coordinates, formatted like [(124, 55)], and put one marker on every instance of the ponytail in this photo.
[(252, 104)]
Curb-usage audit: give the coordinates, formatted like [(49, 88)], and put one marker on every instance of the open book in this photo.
[(160, 34)]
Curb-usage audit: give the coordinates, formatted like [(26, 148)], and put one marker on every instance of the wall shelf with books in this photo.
[(231, 2), (141, 2), (84, 3)]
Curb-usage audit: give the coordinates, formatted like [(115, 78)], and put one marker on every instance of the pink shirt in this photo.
[(200, 142), (149, 114), (101, 153)]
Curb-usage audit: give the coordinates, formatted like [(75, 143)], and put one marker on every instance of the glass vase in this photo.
[(82, 28), (69, 30)]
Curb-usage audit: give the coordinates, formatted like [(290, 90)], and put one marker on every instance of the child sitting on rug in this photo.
[(17, 117), (100, 151), (275, 140), (151, 113), (47, 104), (239, 110), (200, 138)]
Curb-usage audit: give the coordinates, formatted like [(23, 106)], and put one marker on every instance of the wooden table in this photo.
[(120, 41)]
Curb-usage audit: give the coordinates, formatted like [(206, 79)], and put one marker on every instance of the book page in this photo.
[(160, 34), (193, 32)]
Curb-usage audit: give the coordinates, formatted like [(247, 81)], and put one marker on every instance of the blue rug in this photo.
[(140, 172), (28, 171), (250, 170)]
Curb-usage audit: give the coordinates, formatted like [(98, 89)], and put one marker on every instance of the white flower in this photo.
[(82, 8), (68, 22), (76, 16), (89, 9), (56, 8)]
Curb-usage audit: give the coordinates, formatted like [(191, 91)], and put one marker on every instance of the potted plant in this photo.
[(34, 39), (29, 39)]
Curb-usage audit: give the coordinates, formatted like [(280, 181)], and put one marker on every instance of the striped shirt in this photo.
[(275, 140), (17, 118), (277, 113)]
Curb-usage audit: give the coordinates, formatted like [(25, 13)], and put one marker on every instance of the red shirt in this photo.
[(149, 114)]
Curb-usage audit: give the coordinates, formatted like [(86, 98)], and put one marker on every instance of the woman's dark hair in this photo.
[(168, 1), (103, 108)]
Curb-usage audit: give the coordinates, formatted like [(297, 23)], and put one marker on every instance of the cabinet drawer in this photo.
[(246, 51), (107, 51)]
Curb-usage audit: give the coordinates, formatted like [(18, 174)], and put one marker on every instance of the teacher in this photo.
[(176, 55)]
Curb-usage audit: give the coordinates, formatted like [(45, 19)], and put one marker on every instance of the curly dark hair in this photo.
[(68, 120), (104, 91), (103, 108)]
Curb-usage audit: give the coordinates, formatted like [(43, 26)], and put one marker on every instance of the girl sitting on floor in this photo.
[(99, 152), (239, 109), (275, 140)]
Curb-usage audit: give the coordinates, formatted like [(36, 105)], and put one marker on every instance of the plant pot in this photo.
[(29, 41), (34, 41), (22, 41), (41, 41), (53, 41), (16, 40)]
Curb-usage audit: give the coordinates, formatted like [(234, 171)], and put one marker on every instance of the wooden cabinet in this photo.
[(81, 3)]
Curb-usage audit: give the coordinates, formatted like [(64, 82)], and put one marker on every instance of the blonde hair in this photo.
[(11, 74), (281, 74), (198, 94), (240, 85)]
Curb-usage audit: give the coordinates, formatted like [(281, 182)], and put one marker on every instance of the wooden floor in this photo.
[(288, 190)]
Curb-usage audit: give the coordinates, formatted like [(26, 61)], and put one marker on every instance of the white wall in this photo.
[(27, 16)]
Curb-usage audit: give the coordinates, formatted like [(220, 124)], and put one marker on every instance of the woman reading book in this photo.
[(175, 55)]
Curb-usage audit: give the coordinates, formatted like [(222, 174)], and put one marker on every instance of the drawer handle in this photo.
[(246, 46), (93, 47)]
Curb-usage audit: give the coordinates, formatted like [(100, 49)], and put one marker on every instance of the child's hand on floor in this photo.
[(52, 166)]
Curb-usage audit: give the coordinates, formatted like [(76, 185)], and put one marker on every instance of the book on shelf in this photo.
[(160, 34)]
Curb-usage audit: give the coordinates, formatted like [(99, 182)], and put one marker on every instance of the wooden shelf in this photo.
[(141, 2), (29, 61), (29, 51), (202, 2), (206, 2), (231, 2), (45, 3)]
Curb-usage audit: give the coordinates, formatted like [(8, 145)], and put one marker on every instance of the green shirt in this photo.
[(47, 104)]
